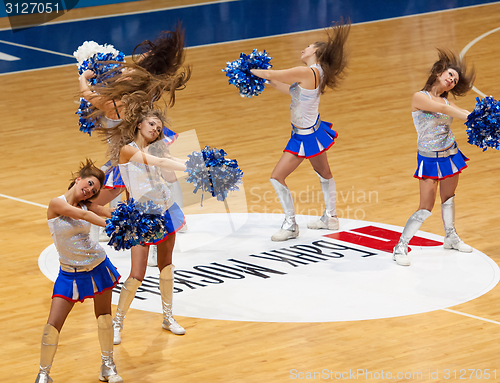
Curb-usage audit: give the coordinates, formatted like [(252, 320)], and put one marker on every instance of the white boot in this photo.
[(127, 295), (152, 256), (329, 219), (289, 228), (451, 239), (105, 333), (50, 339), (166, 290), (400, 253)]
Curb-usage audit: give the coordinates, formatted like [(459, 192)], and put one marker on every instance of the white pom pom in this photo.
[(90, 48)]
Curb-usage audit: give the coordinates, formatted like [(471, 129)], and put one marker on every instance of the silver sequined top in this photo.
[(305, 103), (73, 243), (145, 183), (433, 129), (109, 122)]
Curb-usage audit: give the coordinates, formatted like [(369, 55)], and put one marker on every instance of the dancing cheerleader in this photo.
[(439, 159), (85, 270), (311, 137), (132, 144), (155, 70)]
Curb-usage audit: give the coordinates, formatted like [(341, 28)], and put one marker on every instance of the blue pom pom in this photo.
[(87, 124), (483, 124), (134, 223), (210, 171), (240, 76), (97, 64), (121, 227)]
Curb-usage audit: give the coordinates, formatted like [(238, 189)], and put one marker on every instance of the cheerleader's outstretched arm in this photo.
[(101, 211), (288, 76), (129, 153), (58, 207), (281, 86), (423, 102), (456, 107)]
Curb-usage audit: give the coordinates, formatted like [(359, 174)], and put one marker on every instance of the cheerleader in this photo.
[(85, 270), (439, 161), (132, 145), (155, 70), (310, 137)]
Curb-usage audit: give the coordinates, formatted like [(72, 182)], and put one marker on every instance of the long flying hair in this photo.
[(157, 69), (449, 60), (332, 55), (163, 56)]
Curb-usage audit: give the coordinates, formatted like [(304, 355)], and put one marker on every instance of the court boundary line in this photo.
[(471, 316), (36, 49), (23, 200), (263, 37), (470, 45)]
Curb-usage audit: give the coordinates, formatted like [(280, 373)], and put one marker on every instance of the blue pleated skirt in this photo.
[(76, 287), (173, 220), (311, 145), (440, 168), (170, 135), (113, 178)]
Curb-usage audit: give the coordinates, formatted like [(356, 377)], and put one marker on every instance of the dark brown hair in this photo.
[(88, 169), (165, 55), (157, 68), (449, 60), (332, 55)]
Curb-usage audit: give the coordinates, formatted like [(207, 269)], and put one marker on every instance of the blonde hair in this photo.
[(137, 107)]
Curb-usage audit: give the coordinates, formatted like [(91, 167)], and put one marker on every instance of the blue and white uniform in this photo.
[(310, 136), (85, 269), (438, 156), (146, 185), (113, 178)]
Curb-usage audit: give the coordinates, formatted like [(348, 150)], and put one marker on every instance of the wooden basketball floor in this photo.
[(375, 151)]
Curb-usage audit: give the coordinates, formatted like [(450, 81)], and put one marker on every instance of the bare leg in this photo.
[(165, 251), (428, 192), (285, 166), (59, 311), (447, 187)]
